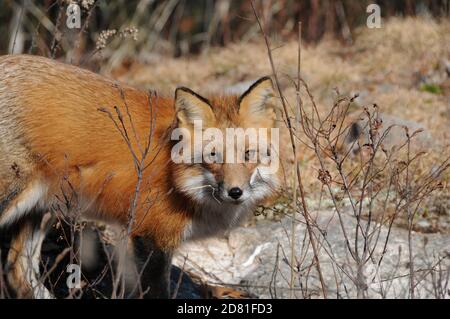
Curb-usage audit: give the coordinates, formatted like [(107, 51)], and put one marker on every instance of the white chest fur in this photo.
[(214, 219)]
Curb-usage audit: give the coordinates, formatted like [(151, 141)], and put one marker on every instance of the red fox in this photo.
[(55, 134)]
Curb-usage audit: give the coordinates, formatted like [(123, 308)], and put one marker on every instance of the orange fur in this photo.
[(68, 143)]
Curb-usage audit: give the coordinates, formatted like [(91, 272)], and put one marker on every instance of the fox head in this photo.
[(229, 146)]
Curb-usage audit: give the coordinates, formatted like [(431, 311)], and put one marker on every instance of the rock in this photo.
[(256, 258), (446, 66), (424, 225), (396, 135)]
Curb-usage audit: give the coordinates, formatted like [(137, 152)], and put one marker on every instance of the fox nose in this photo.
[(235, 192)]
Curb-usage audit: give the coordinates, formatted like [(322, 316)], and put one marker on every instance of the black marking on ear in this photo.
[(264, 78), (185, 89)]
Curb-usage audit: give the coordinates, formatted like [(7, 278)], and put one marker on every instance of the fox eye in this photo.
[(249, 154), (213, 157)]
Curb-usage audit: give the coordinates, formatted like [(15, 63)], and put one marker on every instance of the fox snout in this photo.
[(235, 181), (235, 193)]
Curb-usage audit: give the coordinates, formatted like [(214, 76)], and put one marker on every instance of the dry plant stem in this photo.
[(3, 291), (139, 159), (180, 278), (410, 220), (58, 260), (82, 31), (273, 278), (297, 119), (317, 151), (294, 149), (19, 23), (55, 40), (359, 280)]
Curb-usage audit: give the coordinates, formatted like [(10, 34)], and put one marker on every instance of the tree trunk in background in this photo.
[(330, 19), (410, 8), (313, 20)]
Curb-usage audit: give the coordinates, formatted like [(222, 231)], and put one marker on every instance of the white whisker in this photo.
[(213, 191)]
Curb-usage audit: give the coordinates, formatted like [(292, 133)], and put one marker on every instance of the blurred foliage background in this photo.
[(180, 27)]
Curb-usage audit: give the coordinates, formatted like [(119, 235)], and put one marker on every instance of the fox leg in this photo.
[(153, 266), (24, 258), (20, 202)]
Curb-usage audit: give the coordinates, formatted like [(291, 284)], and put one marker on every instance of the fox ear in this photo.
[(255, 102), (190, 107)]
